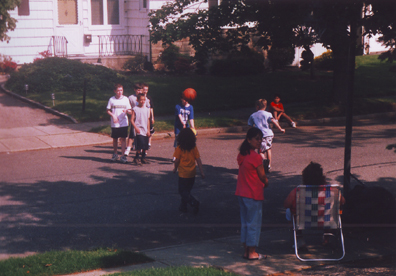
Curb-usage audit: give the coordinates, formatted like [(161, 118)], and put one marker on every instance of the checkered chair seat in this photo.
[(317, 207)]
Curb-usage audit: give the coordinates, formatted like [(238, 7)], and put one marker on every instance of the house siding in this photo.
[(34, 32)]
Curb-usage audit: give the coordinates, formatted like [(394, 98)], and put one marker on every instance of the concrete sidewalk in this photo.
[(226, 253)]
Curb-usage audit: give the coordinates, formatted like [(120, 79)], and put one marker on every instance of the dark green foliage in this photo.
[(7, 23), (246, 62), (325, 61), (183, 64), (60, 74), (280, 57), (135, 64), (169, 56)]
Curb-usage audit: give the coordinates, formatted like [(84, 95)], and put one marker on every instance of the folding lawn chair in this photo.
[(318, 208)]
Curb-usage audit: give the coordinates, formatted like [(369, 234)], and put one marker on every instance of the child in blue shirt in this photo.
[(184, 117)]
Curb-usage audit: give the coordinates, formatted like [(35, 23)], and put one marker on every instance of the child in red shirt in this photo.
[(278, 111)]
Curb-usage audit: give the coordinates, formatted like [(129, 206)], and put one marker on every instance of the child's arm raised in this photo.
[(199, 162)]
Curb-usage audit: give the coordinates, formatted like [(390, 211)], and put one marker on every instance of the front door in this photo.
[(70, 25)]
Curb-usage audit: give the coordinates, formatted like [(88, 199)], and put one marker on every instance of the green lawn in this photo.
[(70, 261), (303, 98)]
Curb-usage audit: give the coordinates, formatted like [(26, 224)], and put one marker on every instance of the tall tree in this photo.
[(279, 23), (7, 23)]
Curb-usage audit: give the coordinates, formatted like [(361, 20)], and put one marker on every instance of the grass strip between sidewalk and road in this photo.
[(168, 125), (70, 261)]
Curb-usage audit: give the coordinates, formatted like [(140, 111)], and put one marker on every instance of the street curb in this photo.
[(46, 108), (205, 131)]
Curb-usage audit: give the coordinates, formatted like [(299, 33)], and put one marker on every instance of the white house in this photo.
[(78, 29)]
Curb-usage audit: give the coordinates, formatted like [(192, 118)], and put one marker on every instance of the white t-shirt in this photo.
[(119, 107)]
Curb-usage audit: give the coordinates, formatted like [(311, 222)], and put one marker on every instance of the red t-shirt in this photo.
[(249, 184), (277, 105)]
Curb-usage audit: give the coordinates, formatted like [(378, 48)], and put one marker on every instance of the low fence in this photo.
[(110, 45)]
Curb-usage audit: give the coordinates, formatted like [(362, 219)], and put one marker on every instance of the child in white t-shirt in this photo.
[(118, 107)]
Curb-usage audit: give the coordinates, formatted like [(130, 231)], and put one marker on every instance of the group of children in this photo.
[(186, 156), (140, 109)]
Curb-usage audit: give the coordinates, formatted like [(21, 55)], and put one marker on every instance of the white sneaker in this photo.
[(127, 152), (114, 157), (123, 159), (293, 124)]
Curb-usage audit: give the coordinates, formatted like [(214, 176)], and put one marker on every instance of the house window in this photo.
[(143, 4), (105, 11), (23, 8), (97, 12), (67, 12)]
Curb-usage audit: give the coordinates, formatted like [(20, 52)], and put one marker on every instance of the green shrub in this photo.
[(169, 56), (135, 64), (56, 74), (183, 64), (324, 61), (241, 63), (280, 57)]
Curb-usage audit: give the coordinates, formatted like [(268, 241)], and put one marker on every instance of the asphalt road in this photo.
[(78, 198)]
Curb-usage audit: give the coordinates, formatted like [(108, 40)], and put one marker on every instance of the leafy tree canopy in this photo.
[(276, 23), (7, 23), (279, 24)]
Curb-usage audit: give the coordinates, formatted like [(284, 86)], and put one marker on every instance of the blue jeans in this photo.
[(251, 217)]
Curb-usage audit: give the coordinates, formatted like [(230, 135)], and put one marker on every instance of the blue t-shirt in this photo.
[(261, 119), (187, 113)]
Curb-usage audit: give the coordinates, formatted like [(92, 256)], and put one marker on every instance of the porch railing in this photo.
[(59, 46), (115, 45)]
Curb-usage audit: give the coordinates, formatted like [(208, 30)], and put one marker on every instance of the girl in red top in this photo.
[(250, 191)]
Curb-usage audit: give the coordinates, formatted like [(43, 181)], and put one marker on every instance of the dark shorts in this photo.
[(141, 142), (119, 132)]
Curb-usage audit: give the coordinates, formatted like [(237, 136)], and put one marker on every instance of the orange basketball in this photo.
[(189, 94)]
